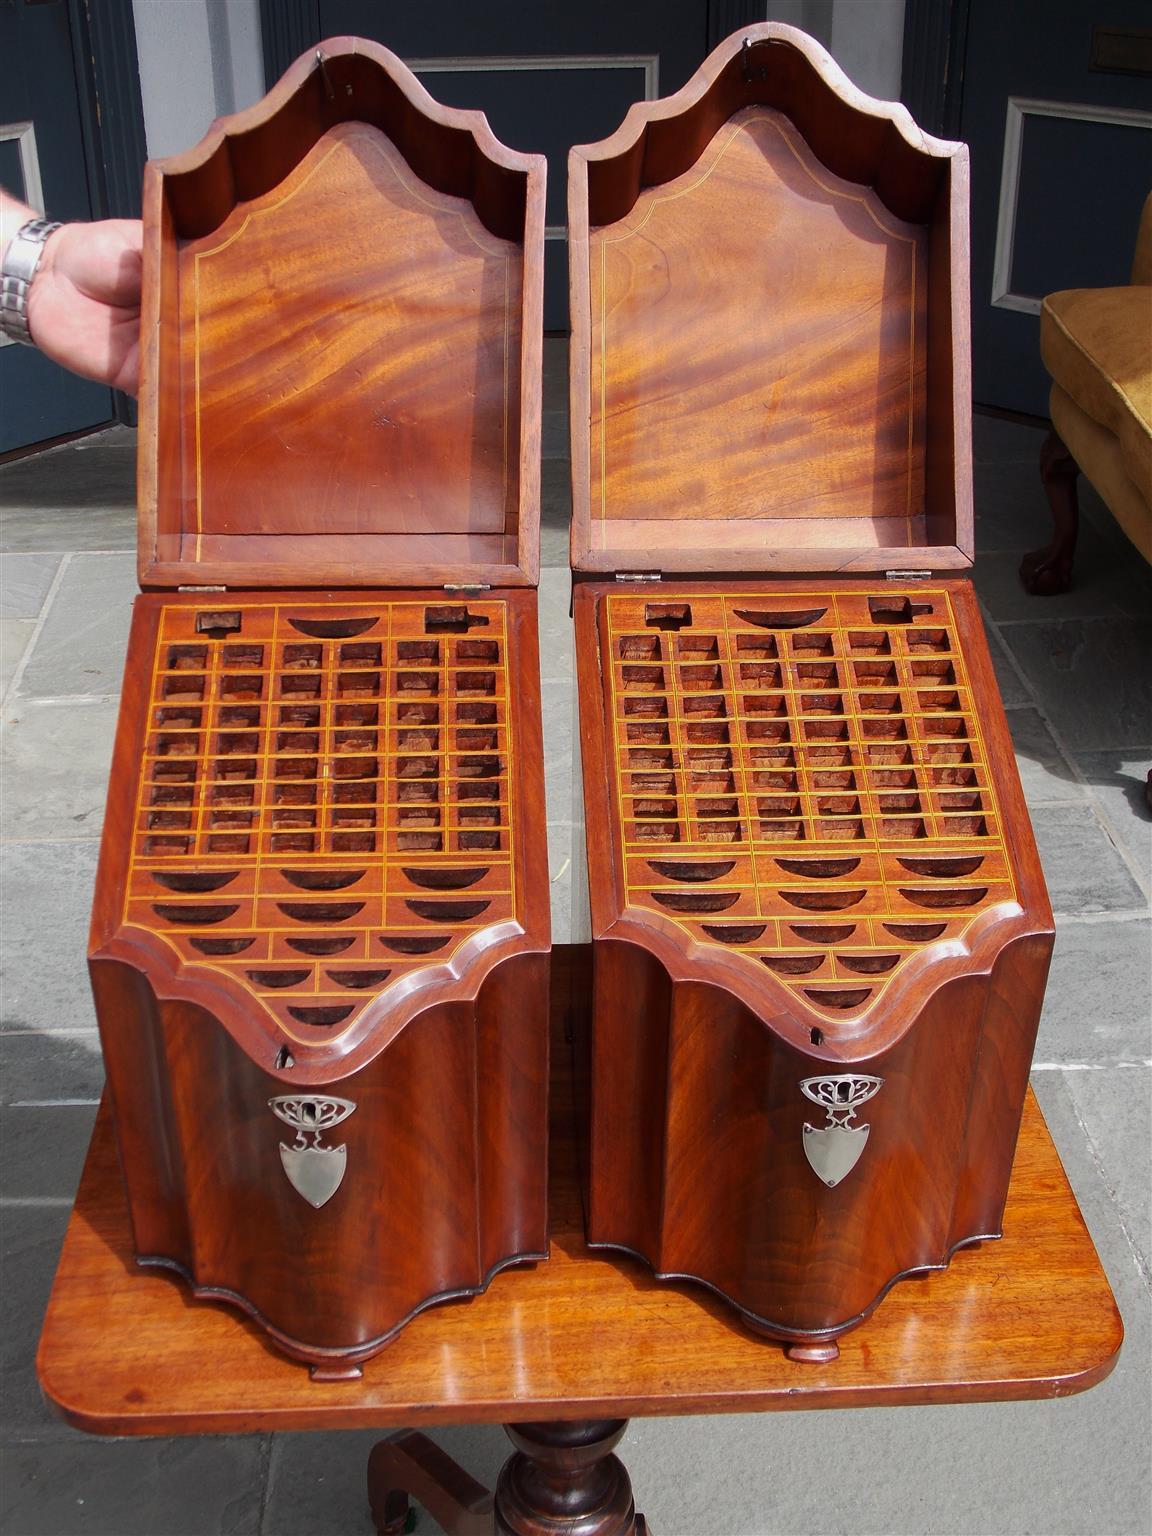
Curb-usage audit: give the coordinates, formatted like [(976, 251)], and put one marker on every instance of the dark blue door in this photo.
[(42, 161), (1057, 109)]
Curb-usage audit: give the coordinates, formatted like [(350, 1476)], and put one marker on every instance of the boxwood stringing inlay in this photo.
[(802, 780), (324, 796)]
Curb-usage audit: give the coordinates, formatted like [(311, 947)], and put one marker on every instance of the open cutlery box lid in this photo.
[(342, 342), (770, 365)]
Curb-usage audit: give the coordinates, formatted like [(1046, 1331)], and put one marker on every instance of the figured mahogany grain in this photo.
[(585, 1335), (810, 865), (769, 274), (820, 751), (341, 341), (319, 942)]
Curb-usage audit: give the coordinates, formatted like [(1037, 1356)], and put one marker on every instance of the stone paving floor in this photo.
[(1076, 679)]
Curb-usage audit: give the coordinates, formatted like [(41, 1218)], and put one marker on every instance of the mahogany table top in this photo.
[(587, 1335)]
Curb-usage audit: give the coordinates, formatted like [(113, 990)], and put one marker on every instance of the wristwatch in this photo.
[(16, 273)]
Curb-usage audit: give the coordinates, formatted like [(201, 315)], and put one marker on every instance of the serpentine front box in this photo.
[(820, 927), (320, 941)]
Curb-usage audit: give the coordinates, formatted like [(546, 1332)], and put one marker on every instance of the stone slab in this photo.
[(1112, 1108), (54, 758), (31, 1238), (556, 705), (119, 435), (42, 1149), (557, 640), (1098, 1005), (555, 373), (1045, 773), (555, 513), (14, 637), (46, 898), (24, 584), (560, 880), (81, 648), (1117, 780), (1013, 692), (69, 499), (555, 442), (65, 1064), (1081, 865), (1091, 677), (211, 1486), (1011, 507)]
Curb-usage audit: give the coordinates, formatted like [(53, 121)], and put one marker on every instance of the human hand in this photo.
[(84, 301)]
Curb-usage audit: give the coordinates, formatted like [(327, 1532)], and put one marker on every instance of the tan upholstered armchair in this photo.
[(1097, 345)]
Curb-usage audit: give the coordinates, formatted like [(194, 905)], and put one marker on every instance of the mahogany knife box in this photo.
[(320, 941), (821, 932)]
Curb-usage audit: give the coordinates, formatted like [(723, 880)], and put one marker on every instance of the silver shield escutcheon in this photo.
[(314, 1170), (834, 1149)]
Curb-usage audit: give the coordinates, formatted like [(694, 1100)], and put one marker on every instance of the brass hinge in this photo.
[(467, 586), (907, 575), (639, 575), (201, 589)]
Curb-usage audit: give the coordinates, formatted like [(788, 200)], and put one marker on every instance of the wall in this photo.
[(199, 59), (865, 37)]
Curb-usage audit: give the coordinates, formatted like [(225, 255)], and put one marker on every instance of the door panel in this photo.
[(545, 76), (42, 161), (1061, 163)]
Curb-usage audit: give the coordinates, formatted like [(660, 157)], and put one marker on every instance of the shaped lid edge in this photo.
[(770, 365), (341, 341)]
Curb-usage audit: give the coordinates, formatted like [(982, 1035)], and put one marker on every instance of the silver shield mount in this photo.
[(314, 1170), (834, 1149)]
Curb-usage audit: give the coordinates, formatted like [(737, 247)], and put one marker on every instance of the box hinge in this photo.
[(907, 575), (639, 575), (467, 586), (201, 589)]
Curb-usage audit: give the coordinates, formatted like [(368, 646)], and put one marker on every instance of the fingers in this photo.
[(101, 260)]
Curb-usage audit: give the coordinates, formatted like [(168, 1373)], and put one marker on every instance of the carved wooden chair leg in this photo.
[(409, 1464), (562, 1478), (1047, 571)]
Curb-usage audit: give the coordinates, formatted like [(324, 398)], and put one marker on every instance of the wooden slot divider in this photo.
[(824, 677), (279, 729)]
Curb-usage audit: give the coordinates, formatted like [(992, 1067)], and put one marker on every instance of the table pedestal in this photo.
[(562, 1480)]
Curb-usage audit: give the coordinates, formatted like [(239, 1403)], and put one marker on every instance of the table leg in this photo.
[(562, 1480), (1049, 570), (410, 1463)]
